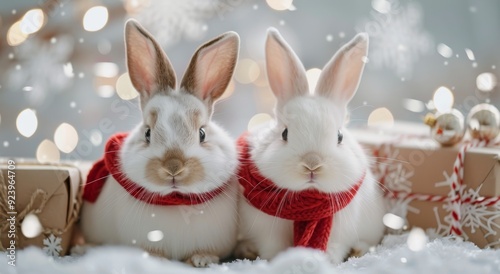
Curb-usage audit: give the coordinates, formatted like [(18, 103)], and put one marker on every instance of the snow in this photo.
[(441, 255)]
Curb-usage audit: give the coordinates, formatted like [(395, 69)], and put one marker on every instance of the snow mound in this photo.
[(445, 255)]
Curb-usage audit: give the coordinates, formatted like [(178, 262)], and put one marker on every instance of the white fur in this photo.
[(313, 121), (200, 234)]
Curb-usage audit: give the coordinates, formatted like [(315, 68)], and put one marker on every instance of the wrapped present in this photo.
[(39, 204), (446, 190)]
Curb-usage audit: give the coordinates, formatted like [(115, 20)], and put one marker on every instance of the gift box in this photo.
[(51, 192), (445, 190)]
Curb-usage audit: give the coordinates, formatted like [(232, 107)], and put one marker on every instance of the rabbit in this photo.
[(307, 147), (176, 149)]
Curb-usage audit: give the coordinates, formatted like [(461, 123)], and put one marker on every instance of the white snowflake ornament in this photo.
[(41, 65), (52, 245), (397, 40)]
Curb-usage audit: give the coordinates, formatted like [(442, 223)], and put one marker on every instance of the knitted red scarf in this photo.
[(312, 211), (110, 164)]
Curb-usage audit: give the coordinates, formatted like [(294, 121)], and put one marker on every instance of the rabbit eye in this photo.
[(202, 135), (340, 137), (148, 135), (284, 135)]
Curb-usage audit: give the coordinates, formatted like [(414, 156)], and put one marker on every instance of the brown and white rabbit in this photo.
[(176, 150), (307, 148)]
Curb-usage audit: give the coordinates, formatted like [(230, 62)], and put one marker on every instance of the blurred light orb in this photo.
[(443, 99), (155, 235), (66, 137), (486, 81), (15, 36), (104, 47), (382, 6), (95, 18), (135, 6), (470, 54), (312, 78), (124, 87), (474, 65), (280, 4), (32, 21), (393, 221), (47, 152), (106, 69), (96, 137), (247, 71), (413, 105), (444, 50), (381, 117), (27, 122), (31, 226), (329, 38), (105, 91), (229, 90), (72, 104), (5, 143), (417, 240), (257, 120)]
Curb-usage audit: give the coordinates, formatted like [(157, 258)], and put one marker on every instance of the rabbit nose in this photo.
[(311, 162), (174, 167)]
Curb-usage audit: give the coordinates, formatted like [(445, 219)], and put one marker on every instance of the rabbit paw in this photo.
[(246, 250), (202, 260)]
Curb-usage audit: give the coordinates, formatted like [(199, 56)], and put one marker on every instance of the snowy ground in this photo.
[(392, 256)]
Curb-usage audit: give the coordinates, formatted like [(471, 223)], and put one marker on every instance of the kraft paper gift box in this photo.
[(49, 191), (421, 187)]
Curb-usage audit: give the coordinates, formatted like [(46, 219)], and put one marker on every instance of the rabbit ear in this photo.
[(340, 77), (149, 68), (211, 68), (285, 72)]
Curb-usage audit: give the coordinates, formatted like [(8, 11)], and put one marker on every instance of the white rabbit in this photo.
[(176, 150), (307, 147)]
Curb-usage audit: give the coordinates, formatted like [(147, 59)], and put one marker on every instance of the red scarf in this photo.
[(312, 211), (110, 164)]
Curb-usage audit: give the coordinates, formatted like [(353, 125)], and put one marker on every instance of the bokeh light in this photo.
[(247, 71), (413, 105), (444, 50), (32, 21), (382, 6), (95, 18), (124, 87), (470, 54), (381, 117), (66, 137), (280, 4), (486, 81), (105, 91), (47, 152), (417, 240), (31, 226), (155, 235), (15, 36), (106, 69), (443, 99), (27, 122), (393, 221), (257, 120)]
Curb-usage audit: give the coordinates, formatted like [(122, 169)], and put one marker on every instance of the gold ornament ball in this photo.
[(483, 122), (447, 128)]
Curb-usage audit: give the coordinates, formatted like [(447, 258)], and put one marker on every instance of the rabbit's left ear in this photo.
[(340, 78), (211, 68)]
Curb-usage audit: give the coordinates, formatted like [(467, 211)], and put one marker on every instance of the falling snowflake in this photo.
[(171, 20), (41, 66), (397, 40), (52, 245)]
